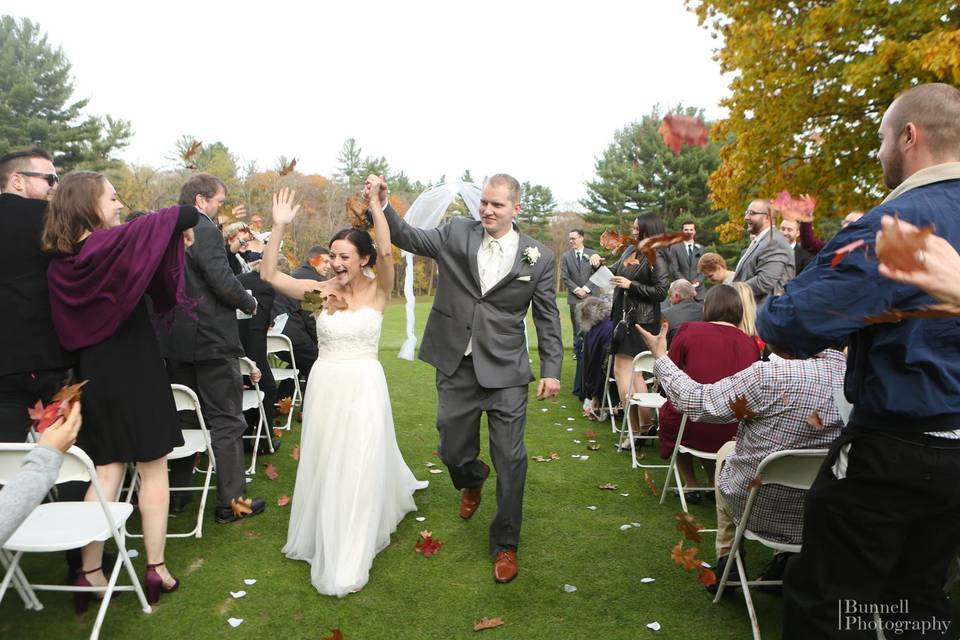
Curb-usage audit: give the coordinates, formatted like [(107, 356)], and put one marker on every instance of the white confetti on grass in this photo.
[(569, 588), (235, 622), (571, 419), (647, 580), (654, 625), (132, 553), (592, 508), (238, 594), (249, 582), (419, 518)]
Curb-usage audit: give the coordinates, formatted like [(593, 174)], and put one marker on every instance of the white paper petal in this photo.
[(706, 565), (592, 508), (435, 471), (249, 581), (636, 524), (419, 518), (654, 625), (569, 428), (544, 410), (238, 594), (133, 553), (569, 588), (625, 494), (576, 442), (571, 419), (563, 406), (584, 457), (235, 622), (646, 580), (624, 527)]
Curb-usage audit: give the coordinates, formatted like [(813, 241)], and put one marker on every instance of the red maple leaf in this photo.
[(844, 250), (426, 545), (677, 130), (794, 208), (740, 409), (44, 416), (707, 577), (814, 420), (271, 471), (335, 634)]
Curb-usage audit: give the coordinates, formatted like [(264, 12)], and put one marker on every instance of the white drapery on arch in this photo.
[(426, 212)]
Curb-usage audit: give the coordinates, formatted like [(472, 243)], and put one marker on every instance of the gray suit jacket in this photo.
[(680, 266), (493, 320), (575, 273), (210, 333), (766, 266)]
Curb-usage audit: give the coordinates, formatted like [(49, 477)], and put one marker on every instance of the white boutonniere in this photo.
[(531, 255)]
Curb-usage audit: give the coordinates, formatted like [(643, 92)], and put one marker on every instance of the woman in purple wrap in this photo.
[(98, 282)]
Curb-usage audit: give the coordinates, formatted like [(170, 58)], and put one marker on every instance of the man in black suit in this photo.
[(33, 366), (202, 346), (576, 267), (684, 307), (791, 232), (682, 258)]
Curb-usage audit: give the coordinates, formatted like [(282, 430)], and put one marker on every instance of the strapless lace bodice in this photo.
[(349, 334)]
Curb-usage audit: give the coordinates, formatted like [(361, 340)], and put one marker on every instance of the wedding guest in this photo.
[(202, 347), (783, 395), (683, 259), (593, 316), (808, 237), (939, 270), (576, 267), (684, 306), (98, 279), (767, 263), (320, 255), (640, 288), (33, 365), (706, 351), (38, 473), (714, 267), (791, 232), (883, 516), (748, 323)]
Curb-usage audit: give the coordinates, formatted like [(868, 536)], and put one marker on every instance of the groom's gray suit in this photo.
[(495, 376)]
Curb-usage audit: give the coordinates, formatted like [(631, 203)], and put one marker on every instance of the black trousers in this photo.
[(460, 401), (218, 385), (880, 537), (19, 392)]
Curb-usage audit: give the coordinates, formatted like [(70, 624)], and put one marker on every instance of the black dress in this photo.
[(640, 303), (128, 409)]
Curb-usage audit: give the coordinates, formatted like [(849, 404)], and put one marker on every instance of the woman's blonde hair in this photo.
[(73, 210), (748, 324)]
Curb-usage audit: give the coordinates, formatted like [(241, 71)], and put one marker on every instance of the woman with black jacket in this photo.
[(638, 291)]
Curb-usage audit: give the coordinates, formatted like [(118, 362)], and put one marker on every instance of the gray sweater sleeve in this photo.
[(27, 489)]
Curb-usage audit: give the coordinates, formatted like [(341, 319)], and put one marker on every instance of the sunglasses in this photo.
[(51, 178)]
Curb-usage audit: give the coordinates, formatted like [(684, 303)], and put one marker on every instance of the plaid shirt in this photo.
[(782, 394)]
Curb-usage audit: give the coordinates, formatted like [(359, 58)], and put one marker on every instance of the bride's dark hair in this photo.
[(359, 239)]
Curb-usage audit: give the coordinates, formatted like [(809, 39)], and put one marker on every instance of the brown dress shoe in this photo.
[(505, 566), (470, 498)]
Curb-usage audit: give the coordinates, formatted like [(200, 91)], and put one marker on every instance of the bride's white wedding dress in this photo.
[(353, 486)]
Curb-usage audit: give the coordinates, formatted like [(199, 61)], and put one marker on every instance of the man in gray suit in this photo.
[(202, 346), (490, 274), (767, 264), (682, 258), (576, 267)]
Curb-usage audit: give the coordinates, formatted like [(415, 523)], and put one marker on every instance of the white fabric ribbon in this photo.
[(426, 212)]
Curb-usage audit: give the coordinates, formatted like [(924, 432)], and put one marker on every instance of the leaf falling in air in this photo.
[(284, 405), (283, 501), (357, 206), (648, 246), (271, 471), (845, 249), (287, 168), (814, 420), (487, 623), (898, 249), (686, 558), (192, 150), (677, 130), (426, 545), (614, 242), (650, 483), (688, 526), (740, 409)]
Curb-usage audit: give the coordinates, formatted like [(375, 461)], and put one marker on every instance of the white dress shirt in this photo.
[(495, 258)]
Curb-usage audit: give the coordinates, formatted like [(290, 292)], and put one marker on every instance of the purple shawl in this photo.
[(95, 290)]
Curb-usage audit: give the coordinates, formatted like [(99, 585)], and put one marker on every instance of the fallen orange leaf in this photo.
[(271, 471), (740, 409), (283, 501), (426, 545), (295, 452), (487, 623)]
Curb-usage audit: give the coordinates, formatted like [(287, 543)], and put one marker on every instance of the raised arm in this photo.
[(381, 235), (283, 213)]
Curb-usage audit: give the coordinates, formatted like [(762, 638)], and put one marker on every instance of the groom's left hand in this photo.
[(548, 388)]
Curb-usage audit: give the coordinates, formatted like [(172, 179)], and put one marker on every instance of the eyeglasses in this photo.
[(751, 212), (51, 178)]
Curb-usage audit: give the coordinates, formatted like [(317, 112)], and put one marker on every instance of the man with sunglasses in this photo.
[(33, 366)]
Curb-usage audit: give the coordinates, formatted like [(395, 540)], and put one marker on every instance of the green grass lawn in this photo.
[(440, 597)]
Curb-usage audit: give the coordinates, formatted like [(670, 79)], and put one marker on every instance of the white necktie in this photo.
[(491, 271)]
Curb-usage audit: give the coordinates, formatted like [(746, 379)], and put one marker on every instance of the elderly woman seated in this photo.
[(593, 315), (782, 395), (706, 351)]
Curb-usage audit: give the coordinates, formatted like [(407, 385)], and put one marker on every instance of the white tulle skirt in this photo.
[(353, 486)]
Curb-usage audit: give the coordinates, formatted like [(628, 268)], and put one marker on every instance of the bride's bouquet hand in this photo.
[(284, 210)]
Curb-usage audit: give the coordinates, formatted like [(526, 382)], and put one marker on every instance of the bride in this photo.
[(353, 486)]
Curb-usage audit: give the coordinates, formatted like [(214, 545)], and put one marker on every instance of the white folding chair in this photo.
[(794, 468), (607, 396), (277, 343), (58, 526), (674, 472), (253, 399), (642, 364), (194, 441)]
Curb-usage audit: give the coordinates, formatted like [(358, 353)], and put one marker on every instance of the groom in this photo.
[(490, 274)]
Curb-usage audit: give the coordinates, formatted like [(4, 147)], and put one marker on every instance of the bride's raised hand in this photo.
[(284, 210)]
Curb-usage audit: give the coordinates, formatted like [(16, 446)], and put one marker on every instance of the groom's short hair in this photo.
[(510, 181)]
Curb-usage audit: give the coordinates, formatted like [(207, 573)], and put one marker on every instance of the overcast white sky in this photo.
[(535, 89)]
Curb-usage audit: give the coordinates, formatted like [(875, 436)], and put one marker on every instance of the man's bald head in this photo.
[(934, 109)]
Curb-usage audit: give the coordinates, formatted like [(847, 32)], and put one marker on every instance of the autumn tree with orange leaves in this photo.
[(811, 81)]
